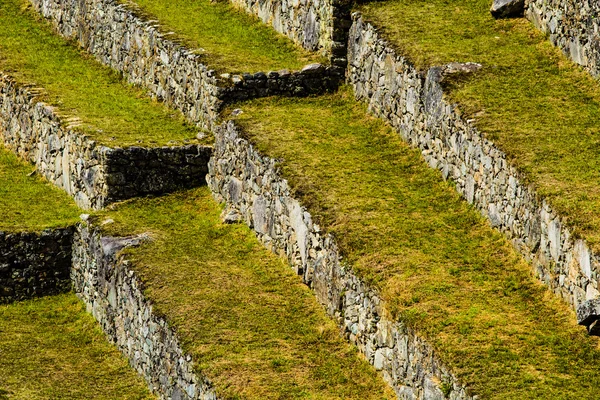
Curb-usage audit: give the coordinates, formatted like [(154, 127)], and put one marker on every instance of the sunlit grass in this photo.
[(52, 349), (537, 106), (29, 203), (110, 110), (255, 330), (231, 40), (437, 263)]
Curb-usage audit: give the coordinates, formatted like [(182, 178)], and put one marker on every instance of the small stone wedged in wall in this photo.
[(117, 37), (254, 192), (573, 27), (112, 292), (413, 103), (94, 175), (34, 264)]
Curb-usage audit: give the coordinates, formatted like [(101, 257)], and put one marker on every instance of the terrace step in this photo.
[(88, 132), (545, 207), (198, 85), (413, 253), (50, 348), (206, 297)]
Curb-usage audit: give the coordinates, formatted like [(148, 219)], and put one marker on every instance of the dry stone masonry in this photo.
[(34, 263), (573, 27), (317, 25), (94, 175), (412, 102), (249, 183), (118, 38), (254, 192), (112, 292)]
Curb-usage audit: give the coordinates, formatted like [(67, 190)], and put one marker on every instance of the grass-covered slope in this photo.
[(52, 349), (255, 330), (29, 203), (537, 106), (435, 260), (230, 39), (111, 111)]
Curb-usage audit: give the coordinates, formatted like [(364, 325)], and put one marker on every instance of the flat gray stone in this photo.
[(315, 68), (460, 68), (112, 245), (507, 8)]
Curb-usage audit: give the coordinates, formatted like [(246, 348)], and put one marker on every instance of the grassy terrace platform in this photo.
[(436, 262), (537, 106), (256, 331), (110, 110), (52, 349), (29, 203), (232, 41)]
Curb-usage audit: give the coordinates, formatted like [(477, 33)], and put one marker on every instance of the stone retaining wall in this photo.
[(114, 295), (94, 175), (573, 27), (250, 185), (34, 264), (138, 171), (317, 25), (120, 39), (412, 102)]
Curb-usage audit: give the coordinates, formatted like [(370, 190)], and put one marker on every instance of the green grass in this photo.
[(52, 349), (436, 262), (231, 39), (255, 330), (29, 203), (537, 106), (110, 110)]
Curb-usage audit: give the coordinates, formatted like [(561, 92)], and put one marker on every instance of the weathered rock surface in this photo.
[(34, 264), (507, 8), (250, 185), (412, 102), (573, 27)]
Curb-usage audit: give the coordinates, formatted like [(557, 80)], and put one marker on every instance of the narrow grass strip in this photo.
[(103, 105), (537, 106), (253, 328), (52, 349), (29, 203), (436, 262), (230, 40)]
